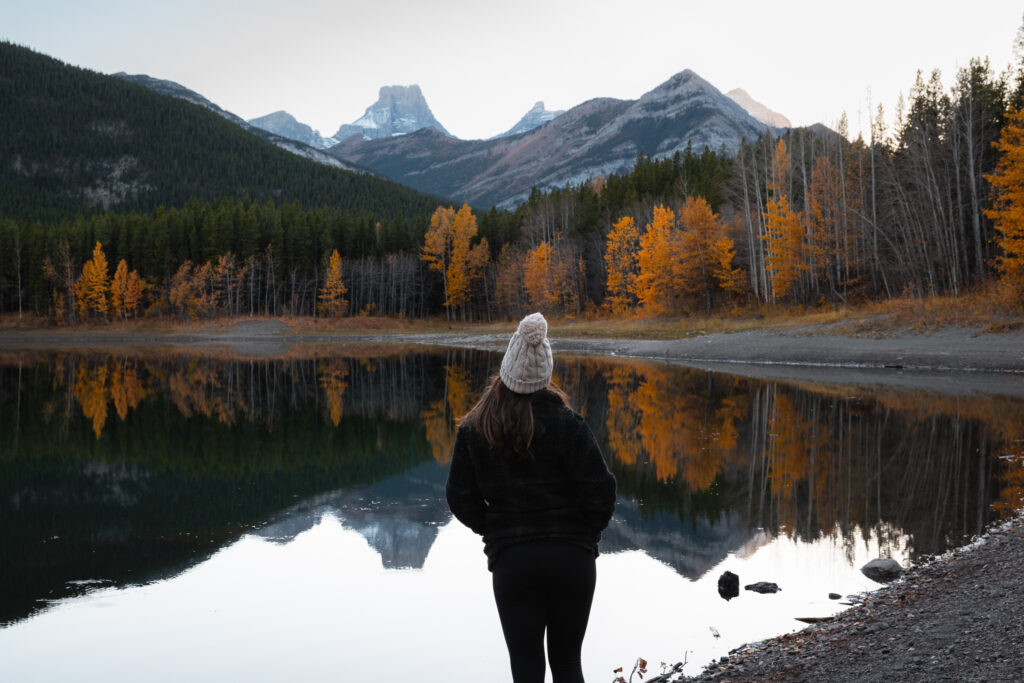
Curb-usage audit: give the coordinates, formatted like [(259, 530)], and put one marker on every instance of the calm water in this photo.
[(177, 517)]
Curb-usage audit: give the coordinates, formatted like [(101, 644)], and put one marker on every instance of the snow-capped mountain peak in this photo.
[(399, 110), (284, 124), (536, 117)]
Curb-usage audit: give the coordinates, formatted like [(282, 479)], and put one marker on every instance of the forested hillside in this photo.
[(928, 205), (75, 141)]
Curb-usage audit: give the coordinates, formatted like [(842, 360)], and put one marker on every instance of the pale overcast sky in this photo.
[(481, 64)]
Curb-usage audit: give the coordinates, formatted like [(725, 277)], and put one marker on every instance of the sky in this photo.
[(481, 65)]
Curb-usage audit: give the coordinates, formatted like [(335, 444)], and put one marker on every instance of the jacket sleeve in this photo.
[(595, 484), (462, 490)]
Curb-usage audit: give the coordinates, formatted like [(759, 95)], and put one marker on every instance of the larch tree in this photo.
[(1007, 210), (656, 285), (467, 261), (537, 276), (93, 287), (706, 253), (118, 289), (132, 297), (620, 259), (448, 249), (332, 295), (784, 235)]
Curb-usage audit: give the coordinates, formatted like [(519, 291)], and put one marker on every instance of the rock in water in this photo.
[(834, 596), (882, 570), (728, 585), (763, 587)]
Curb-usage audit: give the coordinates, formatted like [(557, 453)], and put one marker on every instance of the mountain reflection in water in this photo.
[(129, 469)]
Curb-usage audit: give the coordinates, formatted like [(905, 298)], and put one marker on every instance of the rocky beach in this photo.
[(956, 617)]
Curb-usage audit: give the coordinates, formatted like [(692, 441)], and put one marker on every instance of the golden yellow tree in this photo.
[(132, 298), (332, 296), (548, 278), (93, 287), (537, 276), (784, 234), (620, 262), (118, 289), (1007, 210), (706, 255), (656, 285), (448, 249), (467, 261)]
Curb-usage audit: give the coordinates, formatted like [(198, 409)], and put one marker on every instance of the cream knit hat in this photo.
[(526, 367)]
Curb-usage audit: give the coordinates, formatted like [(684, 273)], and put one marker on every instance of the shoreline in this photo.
[(954, 617), (954, 361)]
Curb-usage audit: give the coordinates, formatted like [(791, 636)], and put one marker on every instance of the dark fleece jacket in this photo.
[(565, 492)]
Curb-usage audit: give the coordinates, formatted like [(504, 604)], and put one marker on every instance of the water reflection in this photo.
[(125, 470)]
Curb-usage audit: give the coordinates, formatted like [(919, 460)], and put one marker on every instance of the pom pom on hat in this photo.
[(533, 328), (527, 364)]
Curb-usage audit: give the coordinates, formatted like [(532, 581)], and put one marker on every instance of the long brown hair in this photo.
[(505, 418)]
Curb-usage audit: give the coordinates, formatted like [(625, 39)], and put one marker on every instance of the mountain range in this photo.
[(600, 136), (399, 138), (131, 148)]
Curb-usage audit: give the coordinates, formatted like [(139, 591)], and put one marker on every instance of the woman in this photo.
[(528, 475)]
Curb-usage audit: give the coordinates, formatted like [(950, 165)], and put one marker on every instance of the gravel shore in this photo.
[(954, 618)]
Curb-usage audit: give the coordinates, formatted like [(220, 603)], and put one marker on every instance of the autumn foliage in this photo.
[(684, 261), (620, 261), (93, 287), (448, 249), (332, 295), (784, 235), (1008, 207)]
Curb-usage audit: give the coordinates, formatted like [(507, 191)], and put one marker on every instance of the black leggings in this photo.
[(542, 585)]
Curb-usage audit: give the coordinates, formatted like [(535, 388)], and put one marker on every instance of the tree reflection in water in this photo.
[(133, 467)]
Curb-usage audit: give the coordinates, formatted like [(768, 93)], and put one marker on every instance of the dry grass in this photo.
[(992, 308), (988, 309)]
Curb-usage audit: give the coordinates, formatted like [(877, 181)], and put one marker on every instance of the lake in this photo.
[(179, 515)]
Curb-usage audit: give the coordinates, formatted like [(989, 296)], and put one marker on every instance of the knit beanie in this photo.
[(526, 367)]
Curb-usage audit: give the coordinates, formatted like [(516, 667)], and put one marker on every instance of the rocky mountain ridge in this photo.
[(399, 110), (600, 136), (284, 124), (537, 116)]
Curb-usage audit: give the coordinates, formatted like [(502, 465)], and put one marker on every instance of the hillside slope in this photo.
[(72, 140)]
